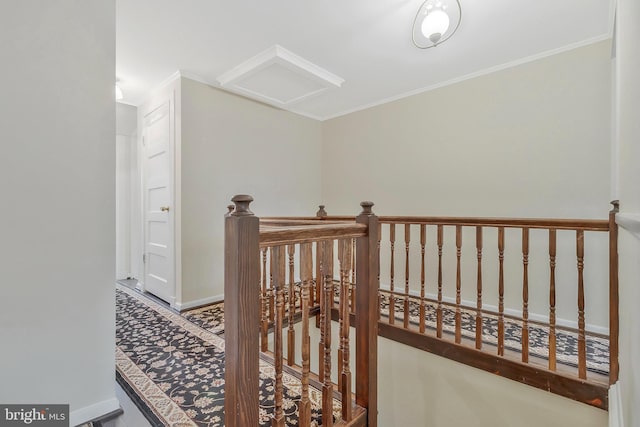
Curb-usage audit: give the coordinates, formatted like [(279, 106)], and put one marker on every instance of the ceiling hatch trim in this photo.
[(279, 77)]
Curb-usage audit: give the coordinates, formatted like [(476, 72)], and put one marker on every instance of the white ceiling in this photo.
[(365, 42)]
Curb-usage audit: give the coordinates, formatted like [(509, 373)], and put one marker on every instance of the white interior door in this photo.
[(159, 265)]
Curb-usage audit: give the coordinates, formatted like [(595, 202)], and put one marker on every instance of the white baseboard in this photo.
[(88, 413), (616, 416), (543, 318), (181, 306)]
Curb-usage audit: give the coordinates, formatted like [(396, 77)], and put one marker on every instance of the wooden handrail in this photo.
[(285, 222), (545, 223), (279, 235), (560, 224)]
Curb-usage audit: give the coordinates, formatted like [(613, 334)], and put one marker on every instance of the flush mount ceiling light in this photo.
[(435, 22)]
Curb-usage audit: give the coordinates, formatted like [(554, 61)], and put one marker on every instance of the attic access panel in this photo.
[(279, 77)]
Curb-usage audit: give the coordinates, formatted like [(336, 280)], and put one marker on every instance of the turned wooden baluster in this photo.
[(423, 268), (341, 301), (325, 360), (613, 294), (264, 319), (525, 295), (407, 240), (552, 299), (458, 283), (271, 291), (344, 383), (479, 289), (291, 333), (439, 309), (582, 348), (306, 276), (352, 284), (318, 282), (318, 290), (321, 268), (378, 255), (501, 291), (392, 300), (279, 262)]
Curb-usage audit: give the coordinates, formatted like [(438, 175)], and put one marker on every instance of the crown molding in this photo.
[(475, 74)]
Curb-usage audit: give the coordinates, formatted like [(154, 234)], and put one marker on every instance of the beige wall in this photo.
[(57, 180), (416, 388), (231, 145), (628, 107), (532, 140), (528, 141)]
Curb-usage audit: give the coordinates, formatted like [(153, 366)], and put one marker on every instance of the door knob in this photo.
[(164, 208)]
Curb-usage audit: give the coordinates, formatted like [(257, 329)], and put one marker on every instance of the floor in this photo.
[(132, 417)]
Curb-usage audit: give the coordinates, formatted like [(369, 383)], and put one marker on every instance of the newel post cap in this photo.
[(616, 205), (242, 202), (366, 208)]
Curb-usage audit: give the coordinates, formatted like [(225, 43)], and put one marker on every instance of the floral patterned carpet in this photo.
[(173, 369), (566, 342), (212, 318), (172, 365)]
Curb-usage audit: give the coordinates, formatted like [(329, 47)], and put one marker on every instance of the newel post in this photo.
[(366, 321), (241, 314), (613, 294)]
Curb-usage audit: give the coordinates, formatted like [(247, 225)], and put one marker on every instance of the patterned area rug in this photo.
[(212, 318), (566, 342), (209, 317), (174, 370)]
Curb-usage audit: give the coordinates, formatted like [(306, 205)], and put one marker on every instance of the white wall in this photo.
[(528, 141), (232, 145), (57, 175), (628, 107), (127, 188)]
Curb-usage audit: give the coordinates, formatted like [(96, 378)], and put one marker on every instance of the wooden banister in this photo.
[(447, 324), (259, 308), (357, 304)]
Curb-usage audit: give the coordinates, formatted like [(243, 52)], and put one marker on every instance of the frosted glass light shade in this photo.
[(435, 24)]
